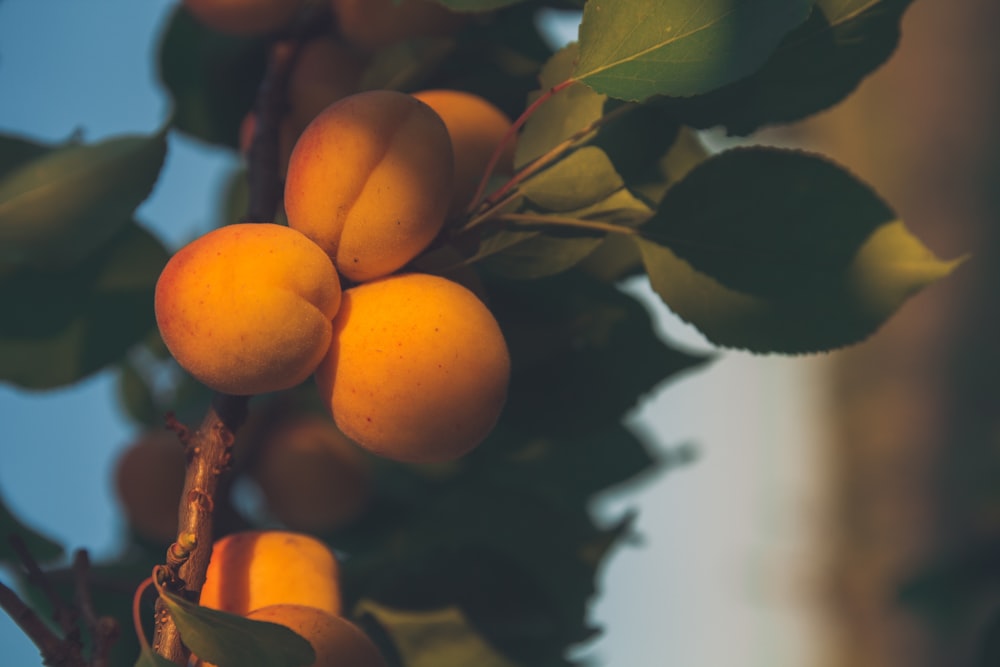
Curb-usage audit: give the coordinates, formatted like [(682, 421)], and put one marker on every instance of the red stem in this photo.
[(508, 137)]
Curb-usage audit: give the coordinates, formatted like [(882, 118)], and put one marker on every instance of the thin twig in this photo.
[(63, 614), (49, 644), (104, 630), (564, 221)]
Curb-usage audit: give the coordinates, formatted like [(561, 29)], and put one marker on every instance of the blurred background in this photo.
[(841, 510)]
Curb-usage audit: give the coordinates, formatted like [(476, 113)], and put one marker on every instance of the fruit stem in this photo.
[(509, 136), (492, 204), (560, 221)]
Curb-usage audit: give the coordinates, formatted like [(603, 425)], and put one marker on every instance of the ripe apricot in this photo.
[(246, 308), (476, 127), (418, 369), (257, 568), (336, 641), (370, 180), (244, 17), (312, 476), (149, 480), (374, 24)]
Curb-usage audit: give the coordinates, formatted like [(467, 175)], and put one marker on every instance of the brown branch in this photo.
[(209, 455), (63, 614), (104, 630), (49, 643)]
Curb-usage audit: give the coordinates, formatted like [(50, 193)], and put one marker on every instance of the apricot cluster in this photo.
[(290, 579), (412, 366)]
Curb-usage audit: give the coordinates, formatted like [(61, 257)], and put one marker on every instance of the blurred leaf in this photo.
[(236, 199), (211, 77), (62, 326), (433, 638), (615, 259), (686, 153), (136, 395), (584, 177), (634, 49), (563, 115), (815, 66), (58, 208), (583, 353), (227, 640), (477, 5), (16, 151), (797, 257), (41, 547), (989, 653), (406, 65)]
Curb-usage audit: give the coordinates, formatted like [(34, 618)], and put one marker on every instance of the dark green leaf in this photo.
[(562, 116), (58, 208), (15, 151), (584, 353), (211, 77), (137, 396), (405, 65), (634, 49), (435, 637), (63, 326), (227, 640), (797, 256), (814, 67), (41, 547)]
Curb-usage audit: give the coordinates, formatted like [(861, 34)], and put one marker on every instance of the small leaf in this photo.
[(58, 208), (61, 327), (582, 178), (436, 637), (41, 547), (815, 66), (211, 77), (536, 255), (634, 49), (228, 640), (563, 115)]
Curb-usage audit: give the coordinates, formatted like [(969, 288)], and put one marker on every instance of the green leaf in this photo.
[(211, 77), (814, 67), (137, 396), (149, 659), (797, 257), (634, 49), (62, 326), (58, 208), (560, 117), (406, 65), (528, 255), (434, 637), (228, 640), (584, 177), (41, 547)]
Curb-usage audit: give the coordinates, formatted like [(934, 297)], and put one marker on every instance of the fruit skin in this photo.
[(476, 127), (374, 24), (418, 369), (149, 480), (246, 308), (370, 181), (313, 477), (336, 641), (244, 17), (258, 568)]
